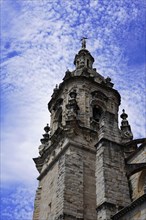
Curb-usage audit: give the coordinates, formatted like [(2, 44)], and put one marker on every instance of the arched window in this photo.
[(97, 112)]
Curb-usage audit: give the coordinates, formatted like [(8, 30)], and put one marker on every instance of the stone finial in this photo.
[(84, 42), (47, 128), (125, 127), (124, 122), (56, 88), (67, 74), (109, 82), (124, 116), (46, 135)]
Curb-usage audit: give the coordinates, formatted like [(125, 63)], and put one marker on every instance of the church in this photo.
[(90, 168)]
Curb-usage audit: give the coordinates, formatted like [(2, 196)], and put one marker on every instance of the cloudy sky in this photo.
[(39, 39)]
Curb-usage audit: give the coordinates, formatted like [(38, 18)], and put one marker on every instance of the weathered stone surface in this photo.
[(111, 178), (82, 162)]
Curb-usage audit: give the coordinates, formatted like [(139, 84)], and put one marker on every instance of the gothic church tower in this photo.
[(81, 166)]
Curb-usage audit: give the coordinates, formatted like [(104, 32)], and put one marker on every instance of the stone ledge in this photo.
[(39, 163), (130, 207)]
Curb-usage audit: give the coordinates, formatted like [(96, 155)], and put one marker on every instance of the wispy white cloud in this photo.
[(39, 42), (18, 204), (46, 35)]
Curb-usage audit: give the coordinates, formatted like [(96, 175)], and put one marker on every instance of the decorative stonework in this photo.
[(88, 167)]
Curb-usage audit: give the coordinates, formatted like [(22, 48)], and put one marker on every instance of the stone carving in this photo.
[(44, 140), (108, 82), (41, 149), (56, 89), (84, 42), (58, 104), (72, 105), (67, 75)]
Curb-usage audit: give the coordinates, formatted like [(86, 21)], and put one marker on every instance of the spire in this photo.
[(125, 127)]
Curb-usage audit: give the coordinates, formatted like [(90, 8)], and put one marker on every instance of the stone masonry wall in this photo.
[(80, 197), (89, 186), (116, 183), (60, 187), (73, 191), (111, 181), (69, 190), (48, 194)]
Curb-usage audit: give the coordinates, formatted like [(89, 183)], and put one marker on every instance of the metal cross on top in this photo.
[(84, 42)]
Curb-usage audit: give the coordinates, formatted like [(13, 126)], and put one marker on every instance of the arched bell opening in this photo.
[(96, 113)]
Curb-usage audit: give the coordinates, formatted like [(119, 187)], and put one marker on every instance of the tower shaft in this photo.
[(81, 162)]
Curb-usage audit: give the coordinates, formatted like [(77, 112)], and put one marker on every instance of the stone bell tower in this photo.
[(81, 163)]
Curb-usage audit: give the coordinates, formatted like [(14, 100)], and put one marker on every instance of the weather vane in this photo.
[(84, 42)]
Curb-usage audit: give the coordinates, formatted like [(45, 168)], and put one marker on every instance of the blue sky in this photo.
[(39, 39)]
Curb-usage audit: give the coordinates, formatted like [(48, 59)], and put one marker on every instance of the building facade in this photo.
[(89, 168)]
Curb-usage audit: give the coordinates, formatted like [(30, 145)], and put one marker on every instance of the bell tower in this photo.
[(81, 163)]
